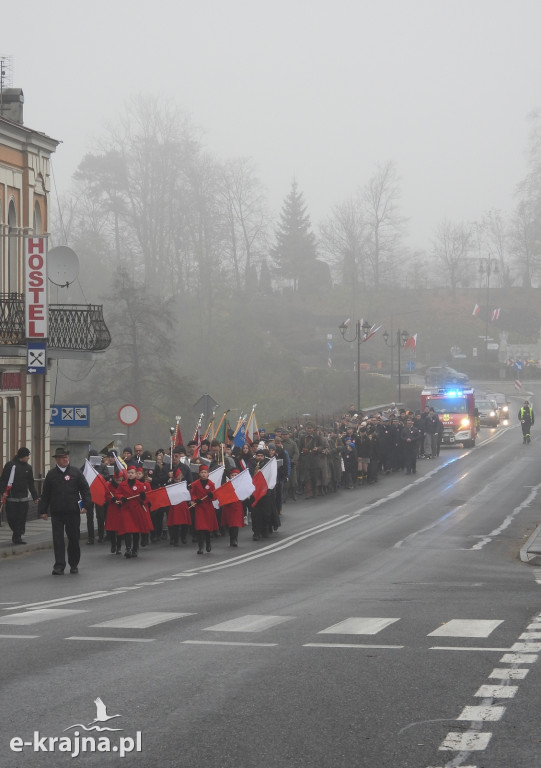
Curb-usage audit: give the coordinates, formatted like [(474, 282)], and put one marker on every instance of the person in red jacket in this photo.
[(134, 517), (179, 518), (205, 521), (233, 517)]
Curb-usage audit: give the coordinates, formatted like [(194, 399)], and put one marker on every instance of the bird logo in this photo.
[(101, 717)]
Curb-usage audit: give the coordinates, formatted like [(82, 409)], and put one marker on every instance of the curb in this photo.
[(531, 551)]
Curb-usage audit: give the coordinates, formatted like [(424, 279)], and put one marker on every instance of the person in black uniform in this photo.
[(17, 497), (63, 487), (410, 439)]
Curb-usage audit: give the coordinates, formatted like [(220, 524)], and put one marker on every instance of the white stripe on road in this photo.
[(518, 658), (249, 623), (113, 639), (223, 642), (496, 691), (508, 674), (18, 637), (534, 647), (463, 648), (482, 713), (358, 626), (141, 620), (509, 519), (59, 600), (34, 617), (349, 645), (471, 741), (466, 628)]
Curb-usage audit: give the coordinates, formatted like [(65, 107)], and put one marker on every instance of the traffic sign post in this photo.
[(128, 414), (36, 357), (70, 416)]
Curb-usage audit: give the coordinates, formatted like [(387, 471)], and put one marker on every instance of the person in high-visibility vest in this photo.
[(526, 418)]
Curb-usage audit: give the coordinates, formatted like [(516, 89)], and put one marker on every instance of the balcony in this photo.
[(72, 327)]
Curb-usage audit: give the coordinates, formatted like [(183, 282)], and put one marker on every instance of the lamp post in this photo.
[(361, 332), (487, 266), (401, 338)]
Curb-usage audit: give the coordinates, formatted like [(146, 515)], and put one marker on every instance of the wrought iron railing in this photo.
[(78, 327)]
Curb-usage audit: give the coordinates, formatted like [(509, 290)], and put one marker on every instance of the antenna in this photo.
[(62, 266), (6, 77)]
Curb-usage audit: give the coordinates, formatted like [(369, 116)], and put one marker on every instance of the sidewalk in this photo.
[(38, 536)]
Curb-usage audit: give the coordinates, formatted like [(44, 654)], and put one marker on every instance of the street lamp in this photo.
[(361, 333), (487, 266), (401, 338)]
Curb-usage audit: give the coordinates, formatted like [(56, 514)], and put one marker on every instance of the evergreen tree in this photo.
[(295, 249)]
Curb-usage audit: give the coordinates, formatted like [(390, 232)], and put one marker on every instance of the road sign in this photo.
[(36, 357), (128, 414), (70, 416), (410, 365)]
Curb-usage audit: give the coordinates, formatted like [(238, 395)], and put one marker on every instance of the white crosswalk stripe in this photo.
[(250, 623), (35, 617), (141, 620), (466, 628), (358, 626)]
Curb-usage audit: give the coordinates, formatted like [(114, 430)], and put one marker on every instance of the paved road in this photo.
[(394, 626)]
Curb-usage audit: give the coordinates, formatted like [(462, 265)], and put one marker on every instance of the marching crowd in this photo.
[(312, 461)]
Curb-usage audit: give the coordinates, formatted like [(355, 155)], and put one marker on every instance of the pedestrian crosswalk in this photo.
[(383, 627)]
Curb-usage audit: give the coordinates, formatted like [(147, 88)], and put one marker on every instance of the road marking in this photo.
[(509, 674), (142, 620), (34, 617), (509, 519), (497, 691), (19, 637), (114, 639), (482, 713), (358, 626), (59, 600), (530, 636), (525, 647), (518, 658), (223, 642), (471, 741), (349, 645), (466, 628), (249, 623), (463, 648)]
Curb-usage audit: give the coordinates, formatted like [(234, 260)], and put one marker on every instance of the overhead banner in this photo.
[(35, 287)]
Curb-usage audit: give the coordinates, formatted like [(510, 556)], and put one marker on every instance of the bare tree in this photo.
[(343, 240), (452, 246), (384, 224)]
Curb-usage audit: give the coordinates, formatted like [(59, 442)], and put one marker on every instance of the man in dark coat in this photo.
[(410, 439), (64, 486), (526, 419), (16, 492)]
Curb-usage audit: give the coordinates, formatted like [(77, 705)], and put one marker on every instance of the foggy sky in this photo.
[(319, 90)]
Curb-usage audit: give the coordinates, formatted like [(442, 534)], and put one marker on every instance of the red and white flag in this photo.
[(10, 483), (121, 467), (217, 476), (411, 343), (495, 314), (265, 479), (476, 310), (371, 332), (99, 487), (169, 495), (240, 487), (251, 427)]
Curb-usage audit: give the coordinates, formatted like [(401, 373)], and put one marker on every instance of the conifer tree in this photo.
[(295, 248)]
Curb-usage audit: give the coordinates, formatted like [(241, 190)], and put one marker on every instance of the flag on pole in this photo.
[(121, 467), (216, 476), (371, 332), (476, 310), (169, 495), (265, 479), (411, 343), (99, 488), (178, 436), (221, 430), (240, 487), (251, 427), (495, 314), (240, 437)]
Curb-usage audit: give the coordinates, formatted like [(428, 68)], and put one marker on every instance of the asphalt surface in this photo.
[(392, 626)]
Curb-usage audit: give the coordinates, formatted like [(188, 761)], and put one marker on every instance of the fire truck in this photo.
[(456, 409)]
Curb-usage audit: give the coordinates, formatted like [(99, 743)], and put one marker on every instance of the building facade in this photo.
[(74, 330)]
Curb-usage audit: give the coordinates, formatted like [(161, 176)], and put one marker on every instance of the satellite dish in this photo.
[(62, 266)]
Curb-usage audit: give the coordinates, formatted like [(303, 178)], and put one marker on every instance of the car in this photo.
[(443, 375), (488, 413), (503, 404)]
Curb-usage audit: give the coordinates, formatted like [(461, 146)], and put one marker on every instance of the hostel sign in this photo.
[(35, 287)]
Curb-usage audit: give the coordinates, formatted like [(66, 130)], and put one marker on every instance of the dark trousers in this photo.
[(71, 524), (100, 518), (16, 513), (156, 516)]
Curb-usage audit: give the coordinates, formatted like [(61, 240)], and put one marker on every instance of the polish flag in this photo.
[(265, 479), (217, 476), (169, 495), (10, 483), (496, 314), (476, 310), (99, 488), (237, 489)]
